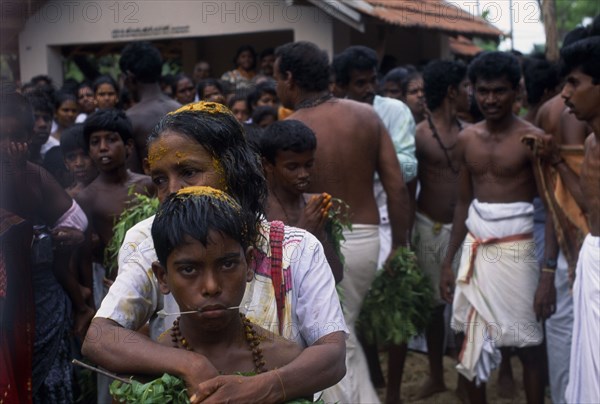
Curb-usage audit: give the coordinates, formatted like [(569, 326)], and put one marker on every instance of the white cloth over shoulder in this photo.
[(134, 298), (584, 371), (73, 218), (399, 122), (495, 288)]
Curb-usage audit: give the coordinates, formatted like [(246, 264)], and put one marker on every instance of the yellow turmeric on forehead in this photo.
[(218, 167), (156, 153), (204, 106), (203, 190), (210, 192)]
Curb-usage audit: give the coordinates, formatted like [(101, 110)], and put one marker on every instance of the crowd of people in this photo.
[(489, 171)]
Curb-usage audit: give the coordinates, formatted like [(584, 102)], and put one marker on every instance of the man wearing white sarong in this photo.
[(501, 294), (497, 261), (584, 370), (582, 95)]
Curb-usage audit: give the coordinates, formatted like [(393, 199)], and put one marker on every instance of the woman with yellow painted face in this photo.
[(203, 144)]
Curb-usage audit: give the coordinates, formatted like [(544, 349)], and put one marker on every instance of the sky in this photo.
[(527, 25)]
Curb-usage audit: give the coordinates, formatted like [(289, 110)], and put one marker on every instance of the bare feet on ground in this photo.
[(429, 388)]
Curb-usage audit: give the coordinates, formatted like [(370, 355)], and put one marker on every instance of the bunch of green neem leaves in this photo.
[(139, 208), (337, 222), (167, 389), (398, 305)]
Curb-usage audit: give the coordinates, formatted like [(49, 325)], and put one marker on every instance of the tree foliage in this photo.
[(571, 13)]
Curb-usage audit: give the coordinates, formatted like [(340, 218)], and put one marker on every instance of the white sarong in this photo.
[(584, 371), (360, 249), (495, 287)]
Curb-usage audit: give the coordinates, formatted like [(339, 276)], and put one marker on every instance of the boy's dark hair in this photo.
[(396, 75), (143, 60), (358, 58), (267, 52), (40, 101), (495, 65), (202, 84), (55, 165), (215, 128), (196, 215), (42, 78), (245, 48), (574, 35), (62, 96), (540, 76), (111, 120), (104, 79), (308, 64), (259, 90), (13, 104), (238, 96), (438, 76), (261, 112), (72, 139), (286, 135), (583, 55), (85, 84)]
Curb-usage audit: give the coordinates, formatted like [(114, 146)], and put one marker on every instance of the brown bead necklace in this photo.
[(252, 339)]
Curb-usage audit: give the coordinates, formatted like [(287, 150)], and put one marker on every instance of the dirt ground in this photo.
[(416, 371)]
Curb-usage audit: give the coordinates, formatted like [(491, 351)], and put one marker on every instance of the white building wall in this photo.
[(83, 22)]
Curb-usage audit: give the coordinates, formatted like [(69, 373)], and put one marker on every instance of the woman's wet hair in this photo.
[(215, 128), (196, 212)]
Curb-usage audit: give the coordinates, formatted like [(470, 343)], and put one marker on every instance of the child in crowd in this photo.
[(65, 113), (288, 154), (106, 93), (239, 106), (263, 95), (77, 160), (43, 113), (264, 116), (205, 258), (109, 141), (85, 100)]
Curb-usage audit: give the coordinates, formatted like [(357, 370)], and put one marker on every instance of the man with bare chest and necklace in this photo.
[(446, 90), (353, 145), (501, 293), (582, 96)]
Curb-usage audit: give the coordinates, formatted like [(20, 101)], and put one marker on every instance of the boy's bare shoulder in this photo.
[(86, 196), (143, 184), (277, 350)]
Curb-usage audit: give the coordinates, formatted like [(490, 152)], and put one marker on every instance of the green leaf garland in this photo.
[(399, 303)]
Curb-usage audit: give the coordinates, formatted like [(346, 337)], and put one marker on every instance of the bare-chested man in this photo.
[(501, 294), (582, 96), (561, 169), (446, 89), (353, 145), (356, 79), (141, 64)]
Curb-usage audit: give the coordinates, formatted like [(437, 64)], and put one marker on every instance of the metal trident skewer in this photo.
[(162, 313)]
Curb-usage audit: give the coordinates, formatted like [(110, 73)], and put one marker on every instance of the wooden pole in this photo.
[(549, 17)]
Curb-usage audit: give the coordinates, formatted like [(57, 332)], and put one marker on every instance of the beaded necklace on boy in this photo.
[(250, 335), (444, 148)]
